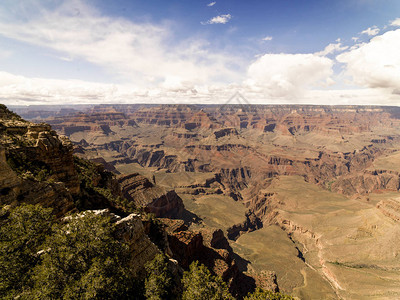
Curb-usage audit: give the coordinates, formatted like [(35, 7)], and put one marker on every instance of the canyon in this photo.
[(297, 197)]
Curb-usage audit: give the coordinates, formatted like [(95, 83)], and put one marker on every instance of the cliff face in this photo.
[(211, 248), (37, 167), (153, 199), (9, 181), (130, 230), (37, 164), (97, 121)]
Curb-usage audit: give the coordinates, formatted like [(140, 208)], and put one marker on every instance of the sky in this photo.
[(193, 51)]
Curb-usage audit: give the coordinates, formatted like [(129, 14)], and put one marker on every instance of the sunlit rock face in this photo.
[(30, 153)]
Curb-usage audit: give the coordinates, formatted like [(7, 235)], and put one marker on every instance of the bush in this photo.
[(23, 166), (95, 188), (22, 234), (200, 284), (84, 260), (158, 283)]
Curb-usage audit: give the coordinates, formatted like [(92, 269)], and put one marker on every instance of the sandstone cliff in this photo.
[(153, 199), (37, 164)]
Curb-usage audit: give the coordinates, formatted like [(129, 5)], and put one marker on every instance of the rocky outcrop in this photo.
[(130, 229), (390, 208), (367, 182), (215, 239), (36, 165), (225, 132), (9, 181), (14, 189), (211, 248), (151, 198)]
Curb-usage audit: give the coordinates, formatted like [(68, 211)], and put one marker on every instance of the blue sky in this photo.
[(286, 51)]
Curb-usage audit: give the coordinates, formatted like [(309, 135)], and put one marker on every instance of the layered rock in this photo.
[(211, 248), (30, 155), (130, 229), (195, 140), (151, 198), (390, 208)]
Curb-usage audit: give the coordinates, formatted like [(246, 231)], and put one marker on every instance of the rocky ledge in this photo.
[(153, 199)]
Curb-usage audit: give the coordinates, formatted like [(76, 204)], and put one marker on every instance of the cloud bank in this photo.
[(375, 64), (288, 75)]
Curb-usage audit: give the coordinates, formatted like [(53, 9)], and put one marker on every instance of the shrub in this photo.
[(22, 234), (84, 260), (200, 284), (158, 283)]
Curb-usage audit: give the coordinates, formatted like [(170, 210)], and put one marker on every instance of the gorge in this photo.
[(300, 198)]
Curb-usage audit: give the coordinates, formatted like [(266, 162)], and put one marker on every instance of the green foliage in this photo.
[(89, 171), (261, 294), (199, 284), (41, 259), (158, 283), (81, 258), (329, 185), (84, 260), (95, 190), (22, 234), (23, 166)]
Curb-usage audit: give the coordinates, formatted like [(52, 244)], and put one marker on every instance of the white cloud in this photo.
[(132, 51), (375, 64), (371, 31), (24, 90), (288, 75), (211, 4), (267, 38), (355, 39), (395, 22), (221, 19), (331, 48), (19, 90)]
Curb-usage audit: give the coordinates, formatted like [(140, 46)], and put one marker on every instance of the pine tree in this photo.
[(200, 284), (158, 283)]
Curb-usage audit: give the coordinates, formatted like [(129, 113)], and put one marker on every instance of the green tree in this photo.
[(158, 283), (84, 260), (200, 284), (261, 294), (22, 233)]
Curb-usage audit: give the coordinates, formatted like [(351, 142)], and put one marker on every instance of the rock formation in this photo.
[(42, 169), (347, 154), (152, 199)]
